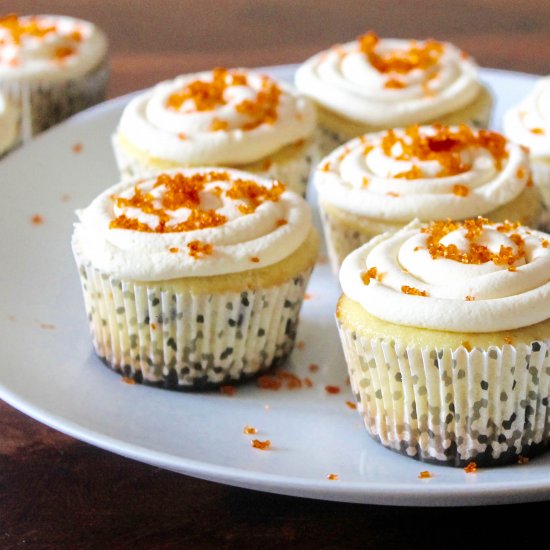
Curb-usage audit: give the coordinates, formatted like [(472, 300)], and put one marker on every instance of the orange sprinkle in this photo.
[(308, 296), (326, 167), (228, 390), (544, 243), (182, 136), (300, 345), (332, 389), (128, 380), (523, 459), (333, 477), (308, 383), (278, 380), (174, 249), (153, 326), (417, 56), (249, 430), (365, 182), (218, 125), (65, 197), (469, 298), (461, 190), (520, 172), (394, 83), (77, 148), (412, 174), (471, 468), (366, 276), (466, 345), (392, 194), (37, 219), (530, 183), (198, 249), (261, 445), (63, 52), (512, 268), (413, 291), (508, 340), (351, 405), (313, 367), (538, 131), (281, 222), (425, 474), (255, 259), (417, 248)]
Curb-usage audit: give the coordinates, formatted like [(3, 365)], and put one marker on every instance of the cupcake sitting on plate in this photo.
[(235, 117), (446, 333), (51, 66), (194, 278), (381, 181), (378, 83), (528, 124)]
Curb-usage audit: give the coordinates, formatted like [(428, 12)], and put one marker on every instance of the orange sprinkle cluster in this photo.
[(425, 475), (405, 289), (17, 28), (471, 468), (249, 430), (413, 173), (477, 253), (508, 340), (444, 146), (395, 84), (207, 95), (198, 249), (261, 445), (417, 56), (183, 191), (280, 379)]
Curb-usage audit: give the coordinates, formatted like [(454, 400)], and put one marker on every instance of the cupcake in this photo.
[(528, 124), (51, 66), (9, 125), (374, 84), (381, 181), (235, 118), (446, 333), (194, 278)]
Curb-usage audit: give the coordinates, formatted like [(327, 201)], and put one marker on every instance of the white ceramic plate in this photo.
[(48, 369)]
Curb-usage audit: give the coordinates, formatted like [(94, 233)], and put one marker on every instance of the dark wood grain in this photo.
[(56, 492)]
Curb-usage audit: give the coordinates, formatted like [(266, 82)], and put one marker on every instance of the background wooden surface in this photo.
[(56, 492)]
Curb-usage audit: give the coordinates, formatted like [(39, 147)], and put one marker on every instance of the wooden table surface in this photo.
[(58, 492)]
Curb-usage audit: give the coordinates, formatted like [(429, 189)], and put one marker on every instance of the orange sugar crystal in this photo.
[(249, 430), (366, 276), (333, 477), (261, 445), (405, 289), (471, 468), (461, 190), (351, 405), (425, 474), (417, 56), (332, 389), (394, 83), (198, 249)]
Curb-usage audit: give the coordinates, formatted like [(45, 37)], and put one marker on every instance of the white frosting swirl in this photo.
[(9, 121), (529, 122), (360, 177), (220, 131), (51, 47), (460, 297), (342, 79), (270, 233)]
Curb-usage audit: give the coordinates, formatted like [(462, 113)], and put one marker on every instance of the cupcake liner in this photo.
[(291, 169), (540, 172), (161, 334), (452, 406), (44, 103)]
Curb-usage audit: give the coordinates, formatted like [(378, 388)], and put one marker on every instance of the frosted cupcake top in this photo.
[(217, 117), (470, 276), (529, 122), (183, 223), (51, 47), (9, 120), (390, 82), (426, 172)]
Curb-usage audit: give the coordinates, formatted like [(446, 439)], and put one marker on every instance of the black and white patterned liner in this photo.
[(43, 104), (452, 406), (181, 340)]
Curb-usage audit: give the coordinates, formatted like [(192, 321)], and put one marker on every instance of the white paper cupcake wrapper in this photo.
[(43, 104), (452, 406), (294, 172), (540, 172), (182, 340)]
